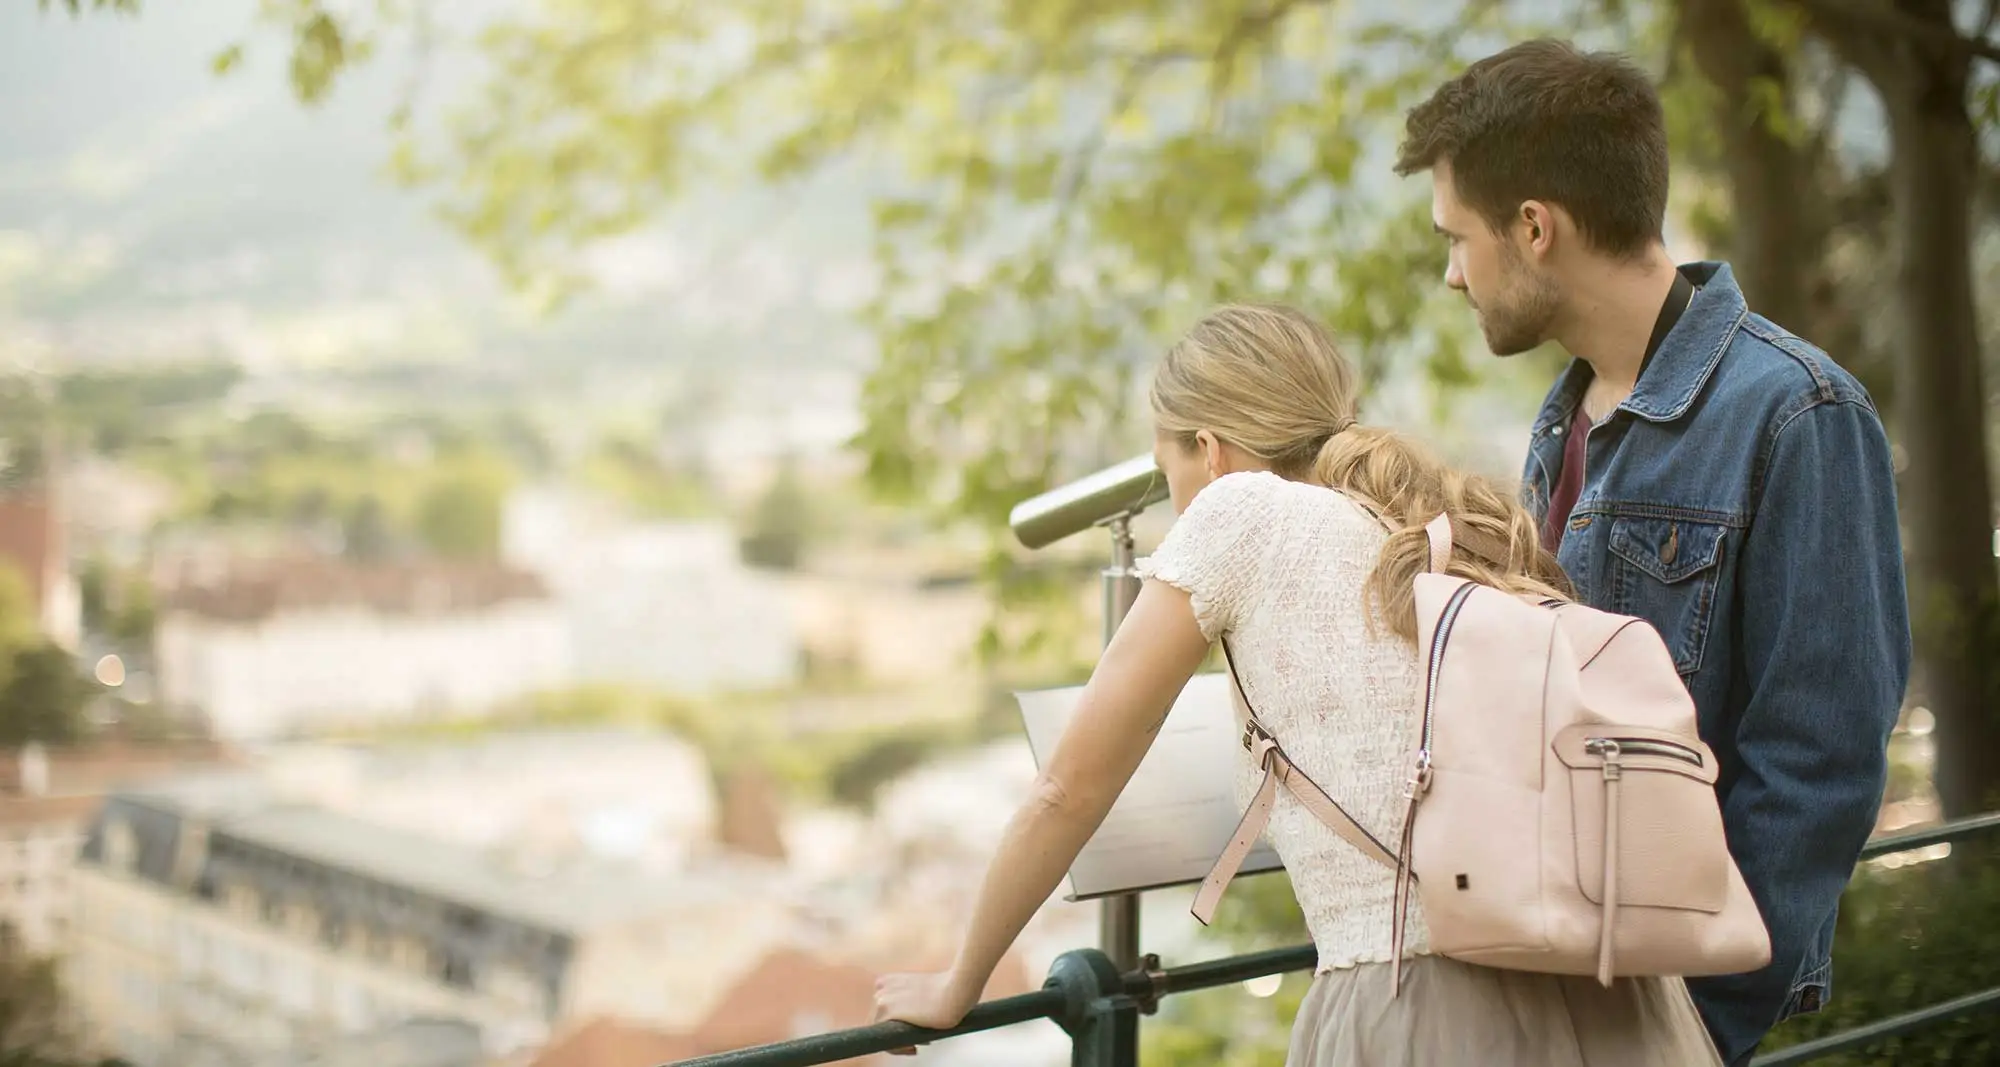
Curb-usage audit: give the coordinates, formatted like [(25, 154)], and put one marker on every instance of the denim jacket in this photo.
[(1742, 500)]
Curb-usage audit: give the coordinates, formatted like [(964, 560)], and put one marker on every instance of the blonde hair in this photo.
[(1269, 379)]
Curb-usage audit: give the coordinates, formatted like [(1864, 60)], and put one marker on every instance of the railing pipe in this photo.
[(1046, 1003), (1211, 973), (1880, 1030), (1926, 836)]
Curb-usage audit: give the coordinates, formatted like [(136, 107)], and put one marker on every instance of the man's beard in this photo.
[(1518, 320)]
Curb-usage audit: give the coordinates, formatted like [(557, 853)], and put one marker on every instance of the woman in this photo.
[(1299, 535)]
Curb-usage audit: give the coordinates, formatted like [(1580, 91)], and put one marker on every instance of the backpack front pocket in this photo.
[(1649, 793)]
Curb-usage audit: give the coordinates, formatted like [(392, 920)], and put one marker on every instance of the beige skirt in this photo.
[(1453, 1013)]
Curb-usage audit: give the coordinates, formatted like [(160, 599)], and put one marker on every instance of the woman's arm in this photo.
[(1150, 659)]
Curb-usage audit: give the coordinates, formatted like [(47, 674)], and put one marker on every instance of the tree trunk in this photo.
[(1947, 498), (1776, 236)]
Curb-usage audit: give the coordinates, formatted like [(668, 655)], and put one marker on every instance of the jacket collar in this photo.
[(1686, 359)]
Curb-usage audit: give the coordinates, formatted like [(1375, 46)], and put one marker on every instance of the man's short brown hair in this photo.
[(1545, 121)]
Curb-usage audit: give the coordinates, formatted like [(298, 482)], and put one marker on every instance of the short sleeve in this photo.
[(1217, 550)]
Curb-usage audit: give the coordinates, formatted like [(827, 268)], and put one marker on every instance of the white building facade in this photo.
[(665, 606), (299, 648)]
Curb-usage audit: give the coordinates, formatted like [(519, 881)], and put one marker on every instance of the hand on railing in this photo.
[(931, 1001)]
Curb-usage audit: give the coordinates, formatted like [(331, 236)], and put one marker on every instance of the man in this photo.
[(1698, 467)]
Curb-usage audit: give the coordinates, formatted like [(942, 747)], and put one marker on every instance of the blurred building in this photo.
[(112, 509), (606, 1041), (549, 796), (664, 606), (290, 646), (47, 798), (886, 615), (213, 915), (410, 1043)]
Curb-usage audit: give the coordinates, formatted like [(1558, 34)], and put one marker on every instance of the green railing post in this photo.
[(1101, 1018)]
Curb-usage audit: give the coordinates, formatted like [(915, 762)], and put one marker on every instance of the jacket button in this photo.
[(1556, 430)]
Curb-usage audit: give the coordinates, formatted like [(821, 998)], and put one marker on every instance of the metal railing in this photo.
[(1099, 1006), (1098, 994)]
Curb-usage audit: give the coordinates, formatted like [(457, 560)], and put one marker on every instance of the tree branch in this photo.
[(1252, 26), (1084, 159), (1831, 94), (1870, 18)]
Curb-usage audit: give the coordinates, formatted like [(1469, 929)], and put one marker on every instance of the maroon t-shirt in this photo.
[(1569, 484)]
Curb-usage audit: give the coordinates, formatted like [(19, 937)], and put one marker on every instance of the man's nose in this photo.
[(1453, 277)]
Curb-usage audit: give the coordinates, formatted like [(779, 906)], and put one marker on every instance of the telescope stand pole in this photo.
[(1118, 919)]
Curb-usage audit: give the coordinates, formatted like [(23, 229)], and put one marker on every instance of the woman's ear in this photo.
[(1212, 456)]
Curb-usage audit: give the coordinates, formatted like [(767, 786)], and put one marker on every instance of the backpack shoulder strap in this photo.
[(1438, 532), (1278, 770)]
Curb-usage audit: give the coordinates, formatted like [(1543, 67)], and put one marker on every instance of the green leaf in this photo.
[(227, 60)]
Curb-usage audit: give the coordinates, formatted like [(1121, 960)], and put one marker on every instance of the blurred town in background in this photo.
[(408, 656)]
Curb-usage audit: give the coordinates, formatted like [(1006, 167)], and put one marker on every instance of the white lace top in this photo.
[(1278, 567)]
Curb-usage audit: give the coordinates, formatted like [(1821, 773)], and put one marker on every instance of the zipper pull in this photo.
[(1610, 751), (1419, 781), (1614, 772)]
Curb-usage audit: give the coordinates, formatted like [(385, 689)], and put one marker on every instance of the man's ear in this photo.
[(1537, 224)]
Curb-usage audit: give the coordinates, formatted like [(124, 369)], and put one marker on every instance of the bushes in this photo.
[(1908, 939)]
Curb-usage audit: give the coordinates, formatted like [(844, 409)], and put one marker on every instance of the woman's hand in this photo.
[(932, 1001)]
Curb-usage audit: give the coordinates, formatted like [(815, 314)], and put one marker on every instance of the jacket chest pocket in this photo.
[(1665, 571)]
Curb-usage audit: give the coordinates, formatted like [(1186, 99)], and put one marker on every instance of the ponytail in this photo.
[(1494, 539)]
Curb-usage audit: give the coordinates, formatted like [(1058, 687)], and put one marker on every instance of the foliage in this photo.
[(1908, 939), (34, 1019), (1226, 1025), (1062, 187), (459, 511), (41, 694), (44, 697), (781, 526), (109, 409), (1091, 177), (18, 628), (116, 604), (627, 470)]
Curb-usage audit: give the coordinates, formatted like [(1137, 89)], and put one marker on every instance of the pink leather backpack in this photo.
[(1561, 812)]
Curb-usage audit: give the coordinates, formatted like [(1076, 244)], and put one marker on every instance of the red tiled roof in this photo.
[(253, 592), (29, 537), (104, 766), (609, 1042), (46, 811), (788, 995), (79, 776), (750, 817)]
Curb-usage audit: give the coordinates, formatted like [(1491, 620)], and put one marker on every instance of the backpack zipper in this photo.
[(1611, 747)]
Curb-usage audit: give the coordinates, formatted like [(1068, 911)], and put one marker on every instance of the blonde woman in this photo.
[(1299, 534)]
